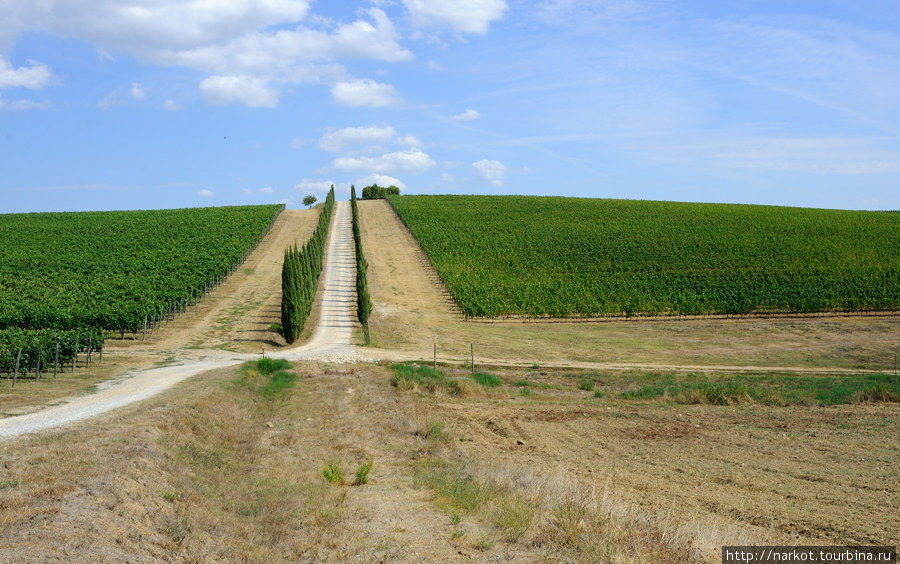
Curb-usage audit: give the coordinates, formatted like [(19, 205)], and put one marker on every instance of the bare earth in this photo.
[(209, 469)]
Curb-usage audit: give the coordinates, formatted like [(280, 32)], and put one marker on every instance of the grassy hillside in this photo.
[(569, 256), (113, 269)]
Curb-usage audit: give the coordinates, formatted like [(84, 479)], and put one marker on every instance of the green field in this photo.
[(546, 256), (113, 270)]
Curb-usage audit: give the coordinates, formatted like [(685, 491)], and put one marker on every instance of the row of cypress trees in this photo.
[(300, 275), (363, 301)]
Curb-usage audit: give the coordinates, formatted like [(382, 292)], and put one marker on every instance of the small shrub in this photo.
[(332, 473), (362, 473), (487, 380), (527, 392), (586, 383), (598, 394), (172, 496), (276, 328)]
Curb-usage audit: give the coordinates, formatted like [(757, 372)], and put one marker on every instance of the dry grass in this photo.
[(217, 469), (566, 519)]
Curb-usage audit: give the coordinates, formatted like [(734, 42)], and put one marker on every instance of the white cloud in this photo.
[(20, 105), (365, 93), (267, 190), (248, 90), (111, 100), (313, 185), (468, 115), (492, 171), (434, 65), (34, 77), (172, 106), (381, 180), (408, 141), (258, 39), (297, 143), (205, 193), (338, 140), (805, 155), (279, 52), (467, 16), (138, 92), (365, 139), (412, 160)]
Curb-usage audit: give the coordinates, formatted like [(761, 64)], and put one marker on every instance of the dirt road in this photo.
[(331, 341)]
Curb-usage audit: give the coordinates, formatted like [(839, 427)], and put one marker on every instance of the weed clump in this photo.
[(362, 473), (487, 380), (411, 376), (266, 365), (333, 475)]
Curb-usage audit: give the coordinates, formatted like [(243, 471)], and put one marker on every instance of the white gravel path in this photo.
[(332, 341)]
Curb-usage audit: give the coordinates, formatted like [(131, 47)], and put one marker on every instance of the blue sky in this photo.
[(123, 104)]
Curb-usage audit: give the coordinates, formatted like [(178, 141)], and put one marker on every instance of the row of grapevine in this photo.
[(300, 275), (559, 257), (24, 350), (121, 271), (363, 300)]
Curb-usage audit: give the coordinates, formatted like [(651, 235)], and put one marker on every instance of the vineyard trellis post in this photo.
[(16, 373)]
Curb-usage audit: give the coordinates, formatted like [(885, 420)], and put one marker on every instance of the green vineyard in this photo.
[(118, 270), (548, 256), (22, 350)]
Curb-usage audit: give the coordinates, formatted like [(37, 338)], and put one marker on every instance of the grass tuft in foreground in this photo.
[(269, 377), (411, 376), (487, 380)]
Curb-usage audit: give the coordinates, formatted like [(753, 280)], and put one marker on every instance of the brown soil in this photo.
[(806, 475), (412, 313)]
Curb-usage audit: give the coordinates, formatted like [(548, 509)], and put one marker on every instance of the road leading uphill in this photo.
[(332, 341)]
